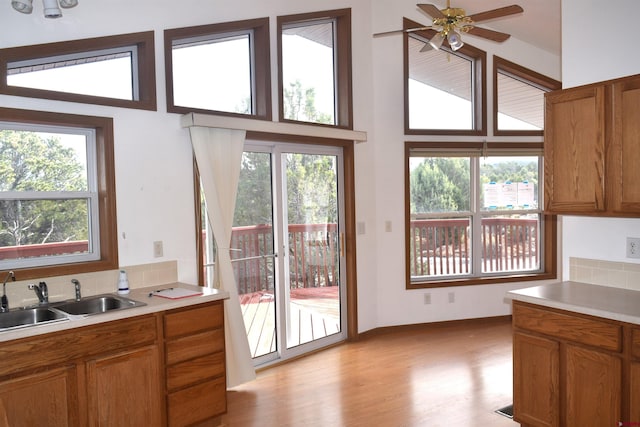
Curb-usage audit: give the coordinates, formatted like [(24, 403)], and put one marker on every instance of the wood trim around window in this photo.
[(549, 226), (538, 80), (261, 63), (343, 68), (106, 189), (143, 41), (478, 56)]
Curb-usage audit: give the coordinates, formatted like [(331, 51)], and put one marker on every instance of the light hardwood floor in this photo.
[(454, 374)]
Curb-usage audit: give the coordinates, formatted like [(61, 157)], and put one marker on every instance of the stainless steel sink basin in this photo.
[(29, 317), (97, 304)]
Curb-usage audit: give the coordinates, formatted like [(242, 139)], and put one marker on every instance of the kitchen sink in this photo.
[(29, 317), (97, 304)]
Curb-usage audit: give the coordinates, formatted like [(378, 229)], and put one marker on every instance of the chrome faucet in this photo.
[(41, 291), (4, 302), (76, 283)]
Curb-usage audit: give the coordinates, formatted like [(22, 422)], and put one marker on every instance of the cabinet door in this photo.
[(635, 391), (536, 380), (623, 171), (574, 150), (593, 388), (124, 389), (43, 399)]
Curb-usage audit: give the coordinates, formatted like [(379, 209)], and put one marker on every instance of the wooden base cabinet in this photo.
[(569, 369), (195, 365), (153, 370)]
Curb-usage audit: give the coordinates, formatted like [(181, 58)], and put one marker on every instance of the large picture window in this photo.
[(473, 216), (57, 195)]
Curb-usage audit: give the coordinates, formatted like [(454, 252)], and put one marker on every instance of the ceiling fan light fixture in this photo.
[(23, 6), (455, 40), (51, 9), (436, 41), (68, 4)]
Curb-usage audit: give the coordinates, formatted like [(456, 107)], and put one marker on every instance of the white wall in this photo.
[(588, 56), (153, 154)]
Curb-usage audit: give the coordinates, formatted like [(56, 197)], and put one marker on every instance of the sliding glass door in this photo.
[(286, 248)]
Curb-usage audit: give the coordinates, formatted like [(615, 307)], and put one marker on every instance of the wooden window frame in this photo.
[(146, 73), (525, 75), (479, 58), (106, 189), (549, 223), (261, 61), (343, 68)]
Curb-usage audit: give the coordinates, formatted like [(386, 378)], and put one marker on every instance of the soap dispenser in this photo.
[(123, 283)]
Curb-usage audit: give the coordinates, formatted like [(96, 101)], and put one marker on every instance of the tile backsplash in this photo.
[(606, 273), (61, 288)]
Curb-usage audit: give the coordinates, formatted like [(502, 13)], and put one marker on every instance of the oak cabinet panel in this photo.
[(124, 389), (635, 391), (563, 375), (42, 399), (592, 149), (195, 368), (593, 388), (536, 380)]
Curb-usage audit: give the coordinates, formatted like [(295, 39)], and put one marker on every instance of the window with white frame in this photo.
[(57, 194), (473, 215)]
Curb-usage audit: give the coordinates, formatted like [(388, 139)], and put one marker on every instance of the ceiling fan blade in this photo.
[(496, 13), (408, 30), (496, 36), (431, 10)]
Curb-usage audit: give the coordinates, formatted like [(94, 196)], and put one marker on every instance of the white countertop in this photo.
[(153, 304), (601, 301)]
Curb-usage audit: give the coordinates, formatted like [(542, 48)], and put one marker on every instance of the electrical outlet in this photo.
[(452, 297), (633, 247), (427, 298), (157, 249)]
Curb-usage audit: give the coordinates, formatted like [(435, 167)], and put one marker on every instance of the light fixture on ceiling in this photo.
[(51, 7), (451, 19)]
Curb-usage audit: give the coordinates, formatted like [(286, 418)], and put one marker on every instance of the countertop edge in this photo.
[(153, 305), (528, 295)]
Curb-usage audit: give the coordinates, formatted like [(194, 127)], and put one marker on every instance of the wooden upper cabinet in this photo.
[(592, 147), (574, 150), (624, 159)]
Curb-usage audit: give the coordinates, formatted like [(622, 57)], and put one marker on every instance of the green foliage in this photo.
[(300, 104), (440, 184), (311, 189), (31, 163)]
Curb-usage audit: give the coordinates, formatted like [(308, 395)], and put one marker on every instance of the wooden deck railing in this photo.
[(442, 247), (44, 249), (312, 251)]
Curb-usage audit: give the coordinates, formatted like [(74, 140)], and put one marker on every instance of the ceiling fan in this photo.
[(449, 23)]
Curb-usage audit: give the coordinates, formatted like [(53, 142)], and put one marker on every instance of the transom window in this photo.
[(220, 68), (518, 95), (474, 217), (115, 70), (315, 68), (444, 89), (57, 194)]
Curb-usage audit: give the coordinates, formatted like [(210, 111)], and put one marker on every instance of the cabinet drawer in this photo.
[(177, 323), (589, 331), (197, 403), (192, 346), (635, 343), (194, 370)]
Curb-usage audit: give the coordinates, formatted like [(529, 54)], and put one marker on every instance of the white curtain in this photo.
[(219, 155)]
